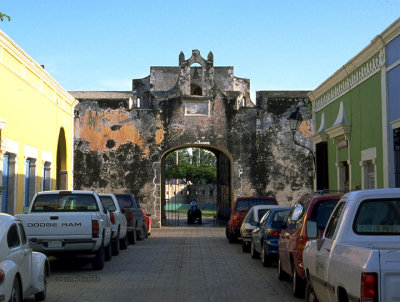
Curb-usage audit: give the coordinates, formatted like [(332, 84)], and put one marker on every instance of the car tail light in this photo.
[(369, 287), (2, 276), (95, 229), (112, 217), (130, 217), (274, 233), (302, 243)]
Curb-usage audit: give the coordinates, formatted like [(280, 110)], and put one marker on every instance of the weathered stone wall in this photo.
[(120, 149)]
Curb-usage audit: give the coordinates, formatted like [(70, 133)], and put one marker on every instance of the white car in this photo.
[(22, 272), (250, 222), (358, 257), (119, 239)]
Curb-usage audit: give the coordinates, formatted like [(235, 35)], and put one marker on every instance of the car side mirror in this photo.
[(312, 231), (25, 210)]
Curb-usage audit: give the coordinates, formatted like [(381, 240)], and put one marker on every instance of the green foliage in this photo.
[(188, 169), (4, 16)]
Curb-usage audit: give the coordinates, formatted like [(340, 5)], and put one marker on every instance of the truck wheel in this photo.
[(132, 237), (98, 261), (142, 232), (282, 275), (115, 245), (124, 242), (297, 285), (108, 252), (40, 296), (16, 291), (310, 294)]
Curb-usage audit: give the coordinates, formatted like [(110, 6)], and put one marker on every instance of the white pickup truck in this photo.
[(74, 222), (358, 258)]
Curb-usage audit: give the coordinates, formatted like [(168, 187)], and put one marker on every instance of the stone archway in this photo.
[(224, 183)]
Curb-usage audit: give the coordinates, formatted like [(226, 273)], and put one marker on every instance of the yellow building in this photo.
[(36, 129)]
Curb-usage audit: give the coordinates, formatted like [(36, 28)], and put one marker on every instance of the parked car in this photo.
[(119, 235), (22, 272), (147, 221), (74, 222), (293, 238), (239, 210), (134, 216), (358, 258), (264, 238), (250, 222)]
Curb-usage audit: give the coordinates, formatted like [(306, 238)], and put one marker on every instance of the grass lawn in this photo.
[(204, 213)]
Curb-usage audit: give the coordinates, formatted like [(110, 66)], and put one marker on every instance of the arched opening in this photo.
[(196, 79), (195, 89), (62, 173), (201, 173)]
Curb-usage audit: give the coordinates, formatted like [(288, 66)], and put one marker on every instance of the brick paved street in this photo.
[(175, 264)]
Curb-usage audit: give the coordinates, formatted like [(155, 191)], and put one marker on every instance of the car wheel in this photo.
[(98, 261), (245, 247), (254, 254), (310, 294), (281, 274), (142, 233), (40, 296), (115, 245), (124, 242), (297, 285), (265, 258), (16, 291), (108, 252), (132, 237)]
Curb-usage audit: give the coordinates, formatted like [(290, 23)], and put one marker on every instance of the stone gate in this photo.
[(122, 138)]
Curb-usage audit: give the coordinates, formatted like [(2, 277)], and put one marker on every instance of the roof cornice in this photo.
[(376, 46), (25, 59)]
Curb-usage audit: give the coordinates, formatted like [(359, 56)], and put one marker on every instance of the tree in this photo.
[(188, 168), (4, 16)]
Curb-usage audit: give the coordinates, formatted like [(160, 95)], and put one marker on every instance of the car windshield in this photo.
[(246, 204), (65, 203), (107, 202), (261, 213), (265, 217), (378, 217), (322, 211), (124, 201), (281, 216)]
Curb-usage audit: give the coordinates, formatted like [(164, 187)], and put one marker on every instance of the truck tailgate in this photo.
[(57, 224), (390, 275)]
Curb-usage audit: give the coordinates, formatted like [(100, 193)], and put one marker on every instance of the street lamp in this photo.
[(295, 120)]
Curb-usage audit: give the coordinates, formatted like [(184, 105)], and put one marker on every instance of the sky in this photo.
[(277, 44)]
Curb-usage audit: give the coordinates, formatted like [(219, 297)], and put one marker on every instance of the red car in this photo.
[(147, 222), (316, 207), (240, 208)]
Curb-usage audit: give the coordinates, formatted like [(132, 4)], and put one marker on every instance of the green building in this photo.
[(352, 128)]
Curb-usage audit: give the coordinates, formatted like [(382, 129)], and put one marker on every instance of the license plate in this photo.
[(54, 244)]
